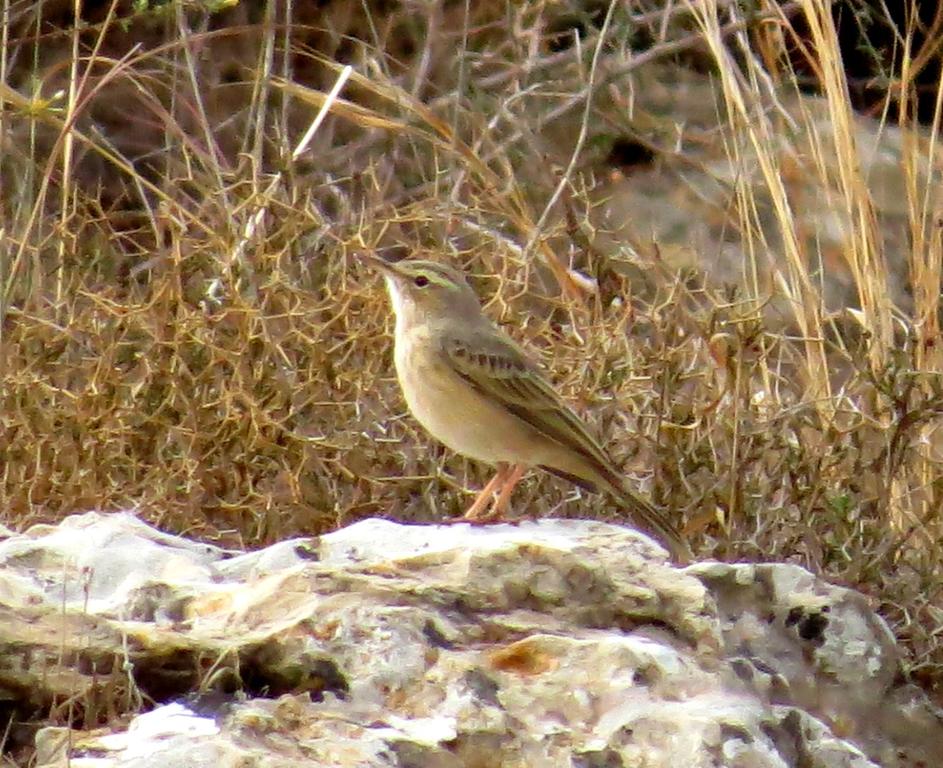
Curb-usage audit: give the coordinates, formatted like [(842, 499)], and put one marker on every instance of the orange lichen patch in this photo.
[(526, 657), (325, 630)]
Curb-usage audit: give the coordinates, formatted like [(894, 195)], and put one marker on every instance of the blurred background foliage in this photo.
[(716, 224)]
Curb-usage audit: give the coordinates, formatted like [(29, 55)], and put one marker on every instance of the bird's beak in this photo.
[(385, 268), (392, 277)]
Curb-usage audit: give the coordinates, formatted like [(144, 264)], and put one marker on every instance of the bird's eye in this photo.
[(420, 281)]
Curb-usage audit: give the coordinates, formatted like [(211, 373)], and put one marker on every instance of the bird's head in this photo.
[(426, 291)]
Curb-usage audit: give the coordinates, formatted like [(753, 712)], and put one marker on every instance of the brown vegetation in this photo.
[(185, 329)]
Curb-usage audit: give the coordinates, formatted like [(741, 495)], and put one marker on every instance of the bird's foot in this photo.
[(490, 518)]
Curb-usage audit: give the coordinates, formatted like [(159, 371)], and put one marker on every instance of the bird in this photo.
[(476, 391)]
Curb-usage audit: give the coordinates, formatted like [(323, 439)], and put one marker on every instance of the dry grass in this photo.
[(186, 333)]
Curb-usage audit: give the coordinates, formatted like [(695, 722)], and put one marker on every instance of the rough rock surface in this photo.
[(558, 642)]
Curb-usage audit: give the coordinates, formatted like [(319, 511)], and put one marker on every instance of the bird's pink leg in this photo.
[(501, 504), (476, 511)]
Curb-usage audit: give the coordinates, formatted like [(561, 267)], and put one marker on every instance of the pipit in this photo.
[(476, 391)]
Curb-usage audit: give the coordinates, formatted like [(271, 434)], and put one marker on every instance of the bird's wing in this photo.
[(497, 368)]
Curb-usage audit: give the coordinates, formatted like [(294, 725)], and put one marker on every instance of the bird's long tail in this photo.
[(653, 522)]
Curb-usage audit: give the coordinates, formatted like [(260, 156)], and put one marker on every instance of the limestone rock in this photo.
[(558, 642)]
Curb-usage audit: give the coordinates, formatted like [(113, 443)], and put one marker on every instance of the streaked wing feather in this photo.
[(499, 370)]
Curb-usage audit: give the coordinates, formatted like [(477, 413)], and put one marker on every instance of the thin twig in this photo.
[(256, 219), (581, 139)]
